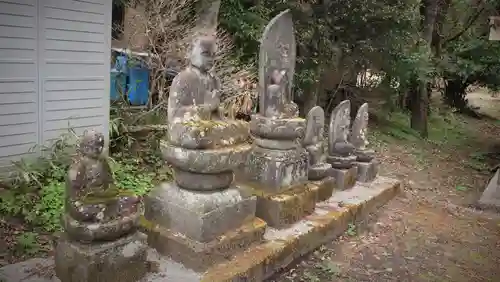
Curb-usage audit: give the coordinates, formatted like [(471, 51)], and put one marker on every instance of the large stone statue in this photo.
[(202, 217), (195, 117), (99, 220), (340, 150), (367, 166), (278, 164)]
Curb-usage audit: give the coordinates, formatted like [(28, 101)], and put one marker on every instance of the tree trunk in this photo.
[(454, 94), (437, 33), (420, 94)]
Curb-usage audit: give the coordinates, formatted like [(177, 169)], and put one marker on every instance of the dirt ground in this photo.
[(431, 232)]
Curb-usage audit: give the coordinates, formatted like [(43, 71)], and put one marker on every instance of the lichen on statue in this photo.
[(196, 118), (92, 199)]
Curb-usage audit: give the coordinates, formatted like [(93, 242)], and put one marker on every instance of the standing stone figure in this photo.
[(99, 221), (202, 217), (314, 142), (278, 164), (367, 166), (340, 150)]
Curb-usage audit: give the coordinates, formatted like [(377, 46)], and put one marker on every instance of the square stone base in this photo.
[(367, 172), (325, 188), (344, 178), (274, 171), (199, 256), (199, 215), (290, 206), (123, 260)]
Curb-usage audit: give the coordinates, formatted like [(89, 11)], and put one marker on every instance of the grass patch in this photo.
[(447, 129)]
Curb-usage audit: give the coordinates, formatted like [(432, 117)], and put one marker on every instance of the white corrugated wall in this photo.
[(54, 71)]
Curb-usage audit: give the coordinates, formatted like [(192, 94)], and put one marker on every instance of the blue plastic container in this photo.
[(121, 64), (138, 86), (117, 85)]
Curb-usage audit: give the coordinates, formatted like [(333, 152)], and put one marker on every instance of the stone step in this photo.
[(279, 248)]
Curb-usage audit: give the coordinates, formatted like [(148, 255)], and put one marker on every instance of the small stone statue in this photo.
[(358, 136), (340, 150), (101, 240), (314, 143), (95, 208), (365, 158)]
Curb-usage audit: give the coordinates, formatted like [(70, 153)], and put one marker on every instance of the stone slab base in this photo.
[(123, 260), (199, 215), (276, 170), (344, 178), (490, 199), (290, 206), (199, 256), (325, 188), (367, 171), (279, 248)]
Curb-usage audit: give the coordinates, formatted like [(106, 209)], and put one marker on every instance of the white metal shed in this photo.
[(54, 71)]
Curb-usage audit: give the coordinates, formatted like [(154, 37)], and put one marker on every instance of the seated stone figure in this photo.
[(277, 106), (340, 150), (94, 208), (195, 116)]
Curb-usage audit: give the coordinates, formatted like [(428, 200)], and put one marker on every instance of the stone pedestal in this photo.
[(325, 188), (277, 171), (367, 171), (202, 218), (122, 260), (199, 256), (318, 171), (344, 178), (287, 207)]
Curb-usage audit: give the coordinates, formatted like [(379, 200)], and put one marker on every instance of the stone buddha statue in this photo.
[(314, 143), (95, 209), (277, 104), (195, 115), (340, 150)]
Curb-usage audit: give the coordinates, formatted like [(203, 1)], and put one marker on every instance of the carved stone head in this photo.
[(92, 144), (203, 52)]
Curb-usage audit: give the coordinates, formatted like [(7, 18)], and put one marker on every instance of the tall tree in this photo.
[(420, 92)]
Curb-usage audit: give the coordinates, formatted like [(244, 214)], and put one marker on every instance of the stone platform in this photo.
[(279, 248)]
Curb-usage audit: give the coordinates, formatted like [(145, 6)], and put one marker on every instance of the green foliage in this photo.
[(469, 57), (35, 190), (444, 129), (27, 243), (352, 230), (345, 35)]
